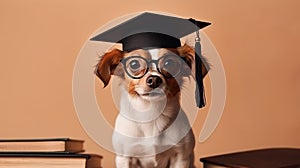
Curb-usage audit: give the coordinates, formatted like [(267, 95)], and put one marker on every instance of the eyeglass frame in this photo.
[(148, 63)]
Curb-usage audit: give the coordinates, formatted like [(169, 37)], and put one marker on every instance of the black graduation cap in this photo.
[(158, 31)]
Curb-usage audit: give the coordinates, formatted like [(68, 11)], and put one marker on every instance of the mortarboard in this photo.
[(151, 30)]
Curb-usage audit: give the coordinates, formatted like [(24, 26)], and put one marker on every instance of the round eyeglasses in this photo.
[(136, 66)]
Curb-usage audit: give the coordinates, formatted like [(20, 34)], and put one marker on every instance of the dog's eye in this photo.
[(136, 67), (170, 66), (134, 64), (169, 63)]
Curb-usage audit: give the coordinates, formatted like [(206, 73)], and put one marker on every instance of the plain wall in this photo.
[(258, 42)]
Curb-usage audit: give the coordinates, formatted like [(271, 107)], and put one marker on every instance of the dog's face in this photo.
[(155, 73), (148, 74)]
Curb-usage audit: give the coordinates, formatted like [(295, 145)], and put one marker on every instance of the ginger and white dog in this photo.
[(151, 129)]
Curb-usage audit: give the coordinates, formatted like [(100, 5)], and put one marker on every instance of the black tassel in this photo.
[(199, 93)]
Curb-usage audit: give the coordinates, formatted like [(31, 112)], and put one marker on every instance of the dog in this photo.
[(150, 106)]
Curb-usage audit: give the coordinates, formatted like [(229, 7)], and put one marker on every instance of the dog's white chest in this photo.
[(144, 139)]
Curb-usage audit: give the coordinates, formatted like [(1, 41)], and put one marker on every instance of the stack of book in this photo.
[(46, 153)]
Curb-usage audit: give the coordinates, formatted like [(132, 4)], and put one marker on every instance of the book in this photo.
[(48, 160), (41, 145), (261, 158)]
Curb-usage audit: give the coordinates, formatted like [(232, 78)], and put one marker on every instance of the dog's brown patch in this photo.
[(108, 66), (173, 86), (189, 54)]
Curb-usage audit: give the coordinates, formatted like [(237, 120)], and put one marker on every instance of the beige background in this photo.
[(257, 40)]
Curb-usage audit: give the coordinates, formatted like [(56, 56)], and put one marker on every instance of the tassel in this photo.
[(199, 93)]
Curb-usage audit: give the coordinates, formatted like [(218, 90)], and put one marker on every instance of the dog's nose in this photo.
[(153, 81)]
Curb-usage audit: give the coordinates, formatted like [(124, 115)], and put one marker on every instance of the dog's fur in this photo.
[(163, 109)]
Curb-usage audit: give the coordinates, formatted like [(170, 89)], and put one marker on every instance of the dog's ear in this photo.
[(188, 53), (108, 65)]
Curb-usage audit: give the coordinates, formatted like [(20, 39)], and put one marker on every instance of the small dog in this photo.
[(150, 106)]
